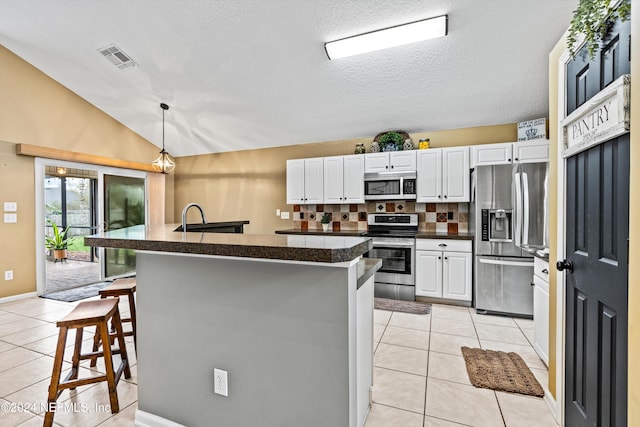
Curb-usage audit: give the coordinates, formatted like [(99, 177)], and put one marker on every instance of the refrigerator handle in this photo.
[(525, 209), (517, 208)]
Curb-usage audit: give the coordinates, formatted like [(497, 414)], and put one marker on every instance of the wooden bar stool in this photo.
[(124, 287), (90, 313)]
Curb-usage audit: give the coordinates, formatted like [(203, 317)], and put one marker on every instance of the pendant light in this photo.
[(164, 163)]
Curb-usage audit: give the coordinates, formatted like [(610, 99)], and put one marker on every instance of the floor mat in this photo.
[(75, 294), (497, 370), (414, 307)]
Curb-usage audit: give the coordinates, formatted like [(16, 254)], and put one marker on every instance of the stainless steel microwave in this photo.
[(390, 185)]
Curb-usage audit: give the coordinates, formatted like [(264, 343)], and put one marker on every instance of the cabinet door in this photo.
[(455, 174), (313, 180), (376, 162), (353, 185), (333, 179), (429, 274), (541, 318), (456, 280), (491, 154), (531, 152), (429, 172), (295, 182), (402, 160)]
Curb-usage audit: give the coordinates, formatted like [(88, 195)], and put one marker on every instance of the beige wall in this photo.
[(251, 184), (634, 229), (34, 109)]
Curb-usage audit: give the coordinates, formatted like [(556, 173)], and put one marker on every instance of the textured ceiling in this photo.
[(241, 74)]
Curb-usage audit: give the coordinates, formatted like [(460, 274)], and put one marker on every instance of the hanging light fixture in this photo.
[(164, 163)]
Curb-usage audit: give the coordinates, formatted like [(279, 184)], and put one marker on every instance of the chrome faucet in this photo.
[(184, 215)]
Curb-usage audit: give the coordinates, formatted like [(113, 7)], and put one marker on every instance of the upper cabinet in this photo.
[(395, 161), (344, 179), (510, 152), (305, 181), (443, 175)]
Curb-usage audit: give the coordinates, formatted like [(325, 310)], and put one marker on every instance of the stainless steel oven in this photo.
[(395, 244), (390, 185)]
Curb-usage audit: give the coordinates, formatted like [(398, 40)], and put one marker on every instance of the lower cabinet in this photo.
[(443, 269), (541, 308)]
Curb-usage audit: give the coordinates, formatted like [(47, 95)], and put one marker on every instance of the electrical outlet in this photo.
[(8, 275), (10, 206), (277, 212), (284, 215), (10, 218), (220, 385)]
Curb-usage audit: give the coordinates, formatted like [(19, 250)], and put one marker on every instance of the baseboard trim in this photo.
[(17, 297), (145, 419), (551, 403)]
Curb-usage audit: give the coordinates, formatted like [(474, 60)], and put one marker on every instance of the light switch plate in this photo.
[(10, 206), (10, 218)]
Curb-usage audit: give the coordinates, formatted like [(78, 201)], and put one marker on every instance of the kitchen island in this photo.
[(285, 316)]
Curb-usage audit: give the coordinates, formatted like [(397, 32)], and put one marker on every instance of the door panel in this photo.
[(596, 323)]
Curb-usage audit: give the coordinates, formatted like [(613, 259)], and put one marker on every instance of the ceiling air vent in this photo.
[(117, 57)]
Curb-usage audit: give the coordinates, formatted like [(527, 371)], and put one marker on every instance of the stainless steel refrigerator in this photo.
[(509, 211)]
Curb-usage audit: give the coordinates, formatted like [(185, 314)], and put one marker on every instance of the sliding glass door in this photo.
[(124, 206)]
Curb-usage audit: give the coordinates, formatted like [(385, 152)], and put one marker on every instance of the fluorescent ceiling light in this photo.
[(388, 37)]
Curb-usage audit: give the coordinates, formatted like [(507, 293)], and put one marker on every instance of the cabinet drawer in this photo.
[(443, 245), (541, 269)]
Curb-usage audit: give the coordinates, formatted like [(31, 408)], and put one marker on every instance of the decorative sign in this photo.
[(603, 117), (532, 129)]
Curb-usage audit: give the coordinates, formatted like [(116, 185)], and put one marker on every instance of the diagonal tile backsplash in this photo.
[(451, 218)]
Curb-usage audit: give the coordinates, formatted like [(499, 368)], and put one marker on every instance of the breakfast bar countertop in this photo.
[(163, 238)]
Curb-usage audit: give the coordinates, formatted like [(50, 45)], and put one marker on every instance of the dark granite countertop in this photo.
[(460, 236), (321, 233), (366, 268), (162, 238)]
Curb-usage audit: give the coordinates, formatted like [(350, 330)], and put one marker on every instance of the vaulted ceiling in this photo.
[(242, 74)]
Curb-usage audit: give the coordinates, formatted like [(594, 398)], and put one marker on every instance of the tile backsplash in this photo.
[(451, 218)]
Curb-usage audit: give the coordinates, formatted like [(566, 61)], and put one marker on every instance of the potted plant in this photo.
[(593, 19), (58, 242), (325, 221), (391, 141)]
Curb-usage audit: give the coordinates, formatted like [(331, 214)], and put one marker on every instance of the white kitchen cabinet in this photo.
[(491, 154), (510, 152), (305, 181), (344, 179), (443, 269), (541, 308), (394, 161), (531, 151), (443, 175)]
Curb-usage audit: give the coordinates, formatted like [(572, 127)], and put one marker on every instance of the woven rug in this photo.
[(414, 307), (75, 294), (497, 370)]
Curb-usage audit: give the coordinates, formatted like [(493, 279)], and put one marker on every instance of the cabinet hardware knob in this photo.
[(533, 284), (446, 257), (508, 160), (439, 257), (442, 245), (391, 166), (445, 197), (545, 271), (386, 167), (516, 159)]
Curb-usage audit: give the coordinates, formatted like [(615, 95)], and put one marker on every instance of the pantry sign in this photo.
[(603, 117)]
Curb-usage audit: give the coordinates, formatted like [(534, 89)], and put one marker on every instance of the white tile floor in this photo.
[(419, 372), (420, 377)]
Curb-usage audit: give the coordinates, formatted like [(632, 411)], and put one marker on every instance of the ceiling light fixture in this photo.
[(61, 171), (389, 37), (164, 163)]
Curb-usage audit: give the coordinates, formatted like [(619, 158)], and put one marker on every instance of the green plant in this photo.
[(59, 240), (390, 138), (594, 18), (326, 218)]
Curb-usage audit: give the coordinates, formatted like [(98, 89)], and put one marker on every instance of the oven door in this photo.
[(398, 258)]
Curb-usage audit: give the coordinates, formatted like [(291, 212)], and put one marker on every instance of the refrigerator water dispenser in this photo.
[(497, 225)]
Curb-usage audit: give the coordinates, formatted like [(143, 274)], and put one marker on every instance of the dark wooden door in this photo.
[(597, 232), (596, 304)]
